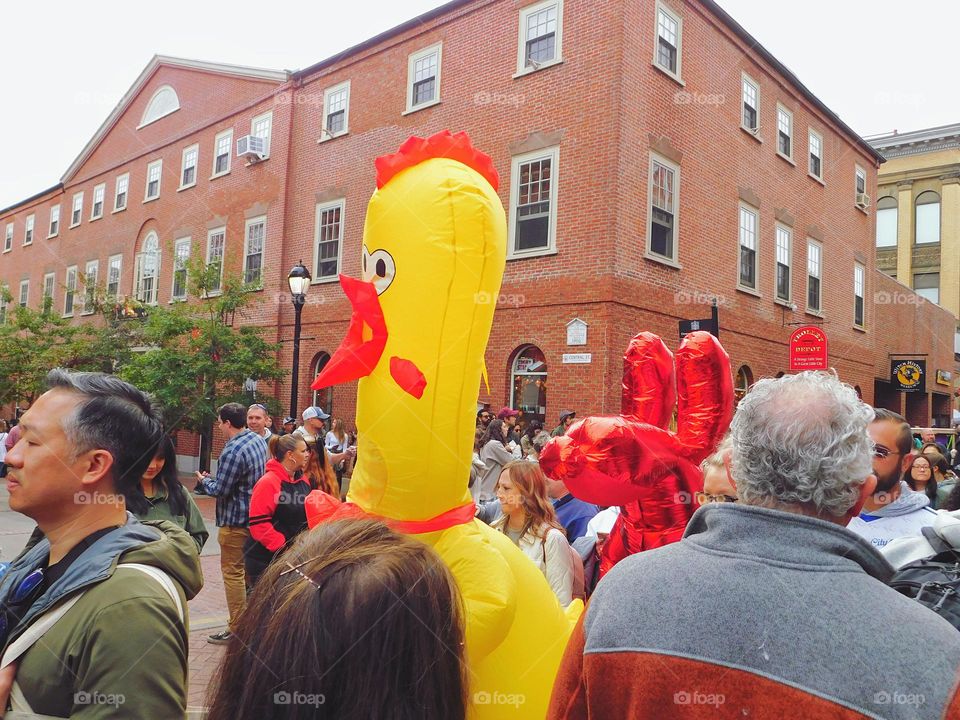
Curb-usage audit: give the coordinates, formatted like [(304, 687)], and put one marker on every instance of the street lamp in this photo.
[(299, 280)]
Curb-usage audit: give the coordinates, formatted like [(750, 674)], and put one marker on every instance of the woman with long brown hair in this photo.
[(319, 470), (354, 622), (531, 522)]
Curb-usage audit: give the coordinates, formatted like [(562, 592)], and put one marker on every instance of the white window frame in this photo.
[(553, 153), (49, 281), (412, 59), (70, 291), (257, 132), (4, 289), (811, 135), (29, 225), (8, 238), (75, 207), (859, 278), (195, 148), (228, 134), (788, 232), (261, 219), (896, 220), (749, 209), (102, 189), (525, 15), (111, 261), (327, 95), (746, 80), (678, 19), (138, 273), (54, 218), (859, 172), (125, 179), (789, 115), (811, 244), (340, 203), (672, 260), (147, 197), (179, 243), (90, 276), (23, 299), (222, 230)]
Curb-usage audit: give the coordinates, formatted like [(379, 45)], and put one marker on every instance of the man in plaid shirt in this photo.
[(242, 462)]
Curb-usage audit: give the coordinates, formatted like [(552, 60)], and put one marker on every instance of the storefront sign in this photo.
[(577, 358), (909, 375), (808, 349), (944, 377)]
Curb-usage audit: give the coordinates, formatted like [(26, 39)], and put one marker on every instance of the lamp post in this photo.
[(299, 280)]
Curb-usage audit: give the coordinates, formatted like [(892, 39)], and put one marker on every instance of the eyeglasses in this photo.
[(705, 499), (881, 452), (485, 416), (28, 589)]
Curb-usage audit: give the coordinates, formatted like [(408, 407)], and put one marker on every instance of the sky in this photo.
[(62, 76)]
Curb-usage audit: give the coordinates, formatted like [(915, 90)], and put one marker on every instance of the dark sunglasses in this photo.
[(26, 590)]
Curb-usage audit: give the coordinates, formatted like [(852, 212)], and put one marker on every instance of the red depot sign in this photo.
[(808, 349)]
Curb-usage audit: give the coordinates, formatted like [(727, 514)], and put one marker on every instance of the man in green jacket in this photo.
[(93, 617)]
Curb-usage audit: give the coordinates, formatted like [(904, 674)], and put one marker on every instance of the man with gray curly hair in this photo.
[(797, 592)]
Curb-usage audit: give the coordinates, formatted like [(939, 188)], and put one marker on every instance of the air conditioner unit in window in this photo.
[(252, 147), (863, 200)]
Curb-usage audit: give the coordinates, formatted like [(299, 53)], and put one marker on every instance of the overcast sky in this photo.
[(63, 67)]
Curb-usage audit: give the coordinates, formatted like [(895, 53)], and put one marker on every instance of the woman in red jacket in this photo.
[(277, 513)]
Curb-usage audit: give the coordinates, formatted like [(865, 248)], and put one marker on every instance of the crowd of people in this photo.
[(779, 601)]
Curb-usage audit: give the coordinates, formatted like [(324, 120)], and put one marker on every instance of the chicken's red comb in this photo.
[(442, 145)]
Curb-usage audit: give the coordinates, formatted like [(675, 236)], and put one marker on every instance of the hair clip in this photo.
[(298, 571)]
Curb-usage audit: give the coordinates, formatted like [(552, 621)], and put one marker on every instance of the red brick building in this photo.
[(653, 156)]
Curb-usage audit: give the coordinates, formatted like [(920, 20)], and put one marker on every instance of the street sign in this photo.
[(577, 358), (689, 326), (909, 375), (808, 349)]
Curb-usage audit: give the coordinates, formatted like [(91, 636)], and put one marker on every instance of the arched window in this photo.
[(528, 378), (858, 391), (322, 398), (147, 270), (743, 383), (163, 102), (887, 222), (928, 218)]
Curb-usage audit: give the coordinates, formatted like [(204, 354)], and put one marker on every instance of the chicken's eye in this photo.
[(378, 268)]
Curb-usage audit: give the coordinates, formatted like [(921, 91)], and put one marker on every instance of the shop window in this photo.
[(528, 375)]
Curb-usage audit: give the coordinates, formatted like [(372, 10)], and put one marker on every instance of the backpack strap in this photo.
[(938, 544)]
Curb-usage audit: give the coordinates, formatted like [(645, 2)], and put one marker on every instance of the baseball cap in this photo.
[(288, 419), (507, 412), (564, 414), (314, 412)]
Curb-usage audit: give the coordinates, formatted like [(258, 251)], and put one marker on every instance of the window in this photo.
[(221, 153), (528, 374), (154, 170), (216, 240), (541, 27), (163, 102), (858, 282), (77, 212), (861, 181), (120, 194), (96, 211), (28, 230), (926, 285), (322, 398), (816, 155), (928, 218), (784, 132), (188, 167), (750, 93), (423, 78), (49, 287), (743, 383), (70, 291), (783, 263), (664, 189), (54, 221), (147, 270), (24, 292), (90, 287), (3, 302), (669, 29), (181, 255), (887, 222), (533, 202), (748, 248), (326, 259), (814, 270), (253, 251), (261, 127), (114, 264), (336, 111), (8, 238)]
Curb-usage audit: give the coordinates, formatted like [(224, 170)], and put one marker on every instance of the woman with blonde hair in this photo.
[(530, 521)]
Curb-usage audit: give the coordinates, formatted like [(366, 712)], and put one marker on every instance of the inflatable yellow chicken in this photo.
[(434, 248)]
